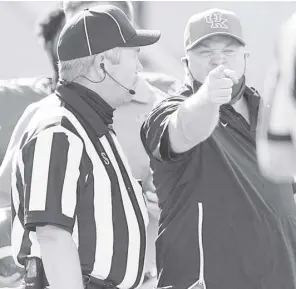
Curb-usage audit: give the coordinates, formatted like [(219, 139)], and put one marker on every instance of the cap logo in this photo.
[(216, 20)]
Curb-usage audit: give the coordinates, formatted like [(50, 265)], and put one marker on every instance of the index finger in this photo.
[(217, 72)]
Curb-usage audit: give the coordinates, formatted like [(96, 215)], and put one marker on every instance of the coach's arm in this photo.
[(196, 118)]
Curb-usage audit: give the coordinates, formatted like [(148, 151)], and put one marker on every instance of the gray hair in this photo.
[(72, 69)]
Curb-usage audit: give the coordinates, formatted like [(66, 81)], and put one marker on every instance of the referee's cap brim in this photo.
[(143, 38)]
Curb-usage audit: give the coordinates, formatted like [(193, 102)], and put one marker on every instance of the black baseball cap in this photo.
[(99, 29)]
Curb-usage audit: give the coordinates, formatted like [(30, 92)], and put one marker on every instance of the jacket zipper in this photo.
[(200, 283)]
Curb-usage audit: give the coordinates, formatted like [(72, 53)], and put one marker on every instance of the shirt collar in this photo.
[(88, 105), (253, 99)]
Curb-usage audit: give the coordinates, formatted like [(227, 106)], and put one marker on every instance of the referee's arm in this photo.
[(52, 163)]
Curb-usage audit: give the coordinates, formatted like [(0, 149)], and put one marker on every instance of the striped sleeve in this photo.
[(154, 131), (51, 165)]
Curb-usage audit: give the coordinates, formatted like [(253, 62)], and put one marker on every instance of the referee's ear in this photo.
[(98, 62)]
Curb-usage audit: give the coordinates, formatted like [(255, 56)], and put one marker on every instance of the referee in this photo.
[(75, 202)]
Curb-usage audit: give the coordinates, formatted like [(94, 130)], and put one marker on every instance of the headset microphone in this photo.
[(131, 91)]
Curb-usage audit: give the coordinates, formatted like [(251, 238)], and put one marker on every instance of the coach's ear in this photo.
[(247, 54), (184, 60)]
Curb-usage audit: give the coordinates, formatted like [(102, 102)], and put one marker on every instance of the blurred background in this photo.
[(22, 56)]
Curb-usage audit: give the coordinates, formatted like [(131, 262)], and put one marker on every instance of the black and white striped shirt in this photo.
[(70, 171)]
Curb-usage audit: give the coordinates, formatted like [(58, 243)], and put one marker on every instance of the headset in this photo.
[(102, 66)]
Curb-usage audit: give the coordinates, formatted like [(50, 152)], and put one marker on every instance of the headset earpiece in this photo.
[(102, 66)]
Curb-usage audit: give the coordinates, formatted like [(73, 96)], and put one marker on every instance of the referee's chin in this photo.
[(126, 98)]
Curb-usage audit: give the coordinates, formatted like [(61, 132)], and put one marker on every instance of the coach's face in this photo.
[(214, 51)]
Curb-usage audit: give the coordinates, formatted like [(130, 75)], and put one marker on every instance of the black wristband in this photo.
[(34, 276)]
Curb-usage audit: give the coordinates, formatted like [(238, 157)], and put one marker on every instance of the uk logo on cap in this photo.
[(217, 20)]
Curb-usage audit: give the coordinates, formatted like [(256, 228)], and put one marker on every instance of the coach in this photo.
[(222, 224)]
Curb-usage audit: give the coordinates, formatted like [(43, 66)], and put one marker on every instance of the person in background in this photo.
[(222, 224), (48, 31), (276, 133)]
